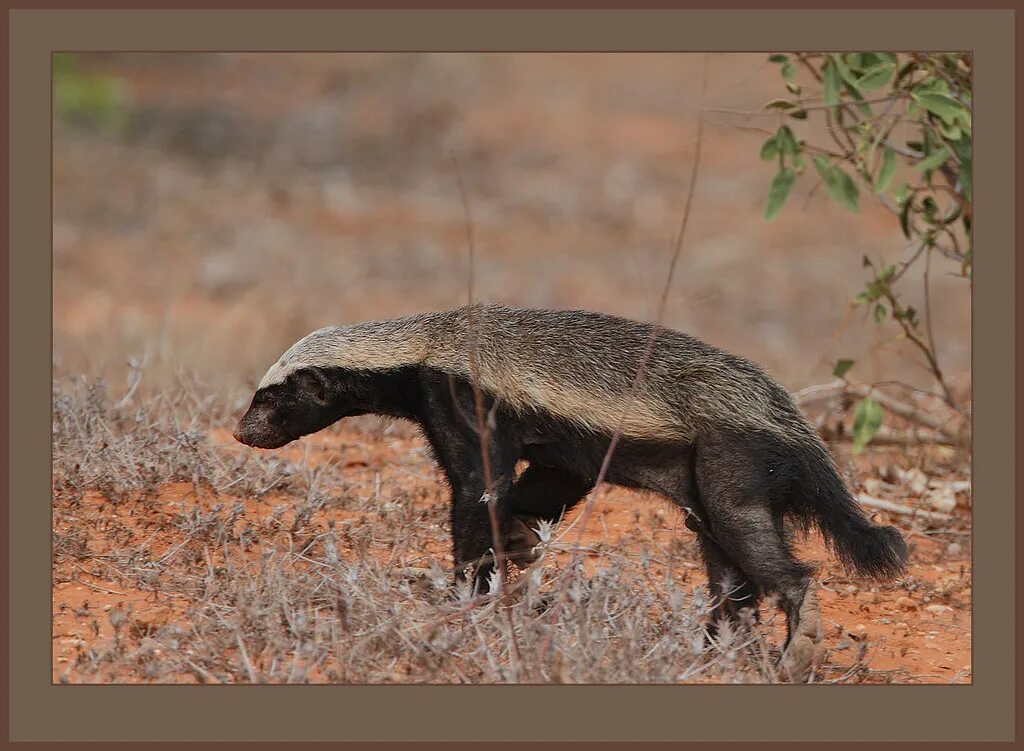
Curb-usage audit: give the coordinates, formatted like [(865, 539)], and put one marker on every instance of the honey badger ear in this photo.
[(311, 382)]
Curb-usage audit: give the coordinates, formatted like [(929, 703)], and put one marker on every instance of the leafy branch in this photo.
[(900, 129)]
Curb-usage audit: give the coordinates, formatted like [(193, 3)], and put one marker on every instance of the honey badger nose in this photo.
[(237, 433)]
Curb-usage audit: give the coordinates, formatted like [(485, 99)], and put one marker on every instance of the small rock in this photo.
[(942, 499), (901, 629), (844, 644), (954, 549), (905, 603), (916, 481), (938, 609)]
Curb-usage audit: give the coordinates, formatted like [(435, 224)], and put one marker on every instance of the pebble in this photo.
[(901, 629), (942, 500), (905, 603), (938, 609), (954, 549)]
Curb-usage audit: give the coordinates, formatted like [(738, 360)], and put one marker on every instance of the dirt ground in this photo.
[(917, 630), (253, 198)]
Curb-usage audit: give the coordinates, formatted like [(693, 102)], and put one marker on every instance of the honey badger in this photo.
[(706, 429)]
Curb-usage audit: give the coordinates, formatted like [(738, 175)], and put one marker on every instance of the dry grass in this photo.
[(281, 571)]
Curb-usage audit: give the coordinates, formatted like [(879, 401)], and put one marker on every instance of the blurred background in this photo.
[(210, 209)]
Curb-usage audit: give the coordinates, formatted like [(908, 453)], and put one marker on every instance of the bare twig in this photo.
[(642, 365), (482, 427), (839, 387), (897, 508), (99, 588)]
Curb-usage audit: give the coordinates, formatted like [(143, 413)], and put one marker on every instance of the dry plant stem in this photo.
[(642, 365), (482, 427), (929, 353), (837, 388), (887, 436), (927, 298), (896, 508)]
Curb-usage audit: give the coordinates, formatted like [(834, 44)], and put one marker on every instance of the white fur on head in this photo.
[(376, 345)]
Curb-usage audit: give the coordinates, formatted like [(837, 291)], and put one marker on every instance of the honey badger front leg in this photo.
[(472, 534), (457, 450)]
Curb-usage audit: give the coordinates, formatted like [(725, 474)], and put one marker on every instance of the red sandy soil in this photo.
[(917, 630)]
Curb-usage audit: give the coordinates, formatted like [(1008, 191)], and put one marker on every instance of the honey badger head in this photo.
[(300, 404), (332, 373)]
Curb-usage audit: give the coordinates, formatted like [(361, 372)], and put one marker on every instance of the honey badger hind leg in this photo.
[(735, 599), (541, 493), (739, 496)]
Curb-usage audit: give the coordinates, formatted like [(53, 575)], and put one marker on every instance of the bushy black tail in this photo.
[(869, 550)]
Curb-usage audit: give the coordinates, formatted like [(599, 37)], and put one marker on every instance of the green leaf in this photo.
[(876, 77), (964, 152), (943, 105), (950, 132), (824, 167), (933, 160), (831, 81), (847, 190), (787, 141), (905, 218), (770, 149), (788, 71), (905, 70), (840, 185), (844, 71), (862, 106), (793, 88), (842, 368), (867, 419), (779, 104), (798, 114), (778, 191), (778, 58), (885, 171), (880, 312)]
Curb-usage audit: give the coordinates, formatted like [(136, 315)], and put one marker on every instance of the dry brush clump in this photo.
[(126, 451), (220, 565)]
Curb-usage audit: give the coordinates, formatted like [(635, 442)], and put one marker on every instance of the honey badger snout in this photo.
[(257, 428)]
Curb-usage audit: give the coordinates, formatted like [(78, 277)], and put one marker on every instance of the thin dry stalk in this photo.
[(482, 427), (662, 303)]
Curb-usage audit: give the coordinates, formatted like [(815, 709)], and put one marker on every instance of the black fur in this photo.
[(739, 488)]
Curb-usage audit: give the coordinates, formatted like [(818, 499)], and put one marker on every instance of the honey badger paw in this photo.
[(805, 650), (521, 541)]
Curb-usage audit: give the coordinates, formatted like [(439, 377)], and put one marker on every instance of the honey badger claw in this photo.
[(521, 541)]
